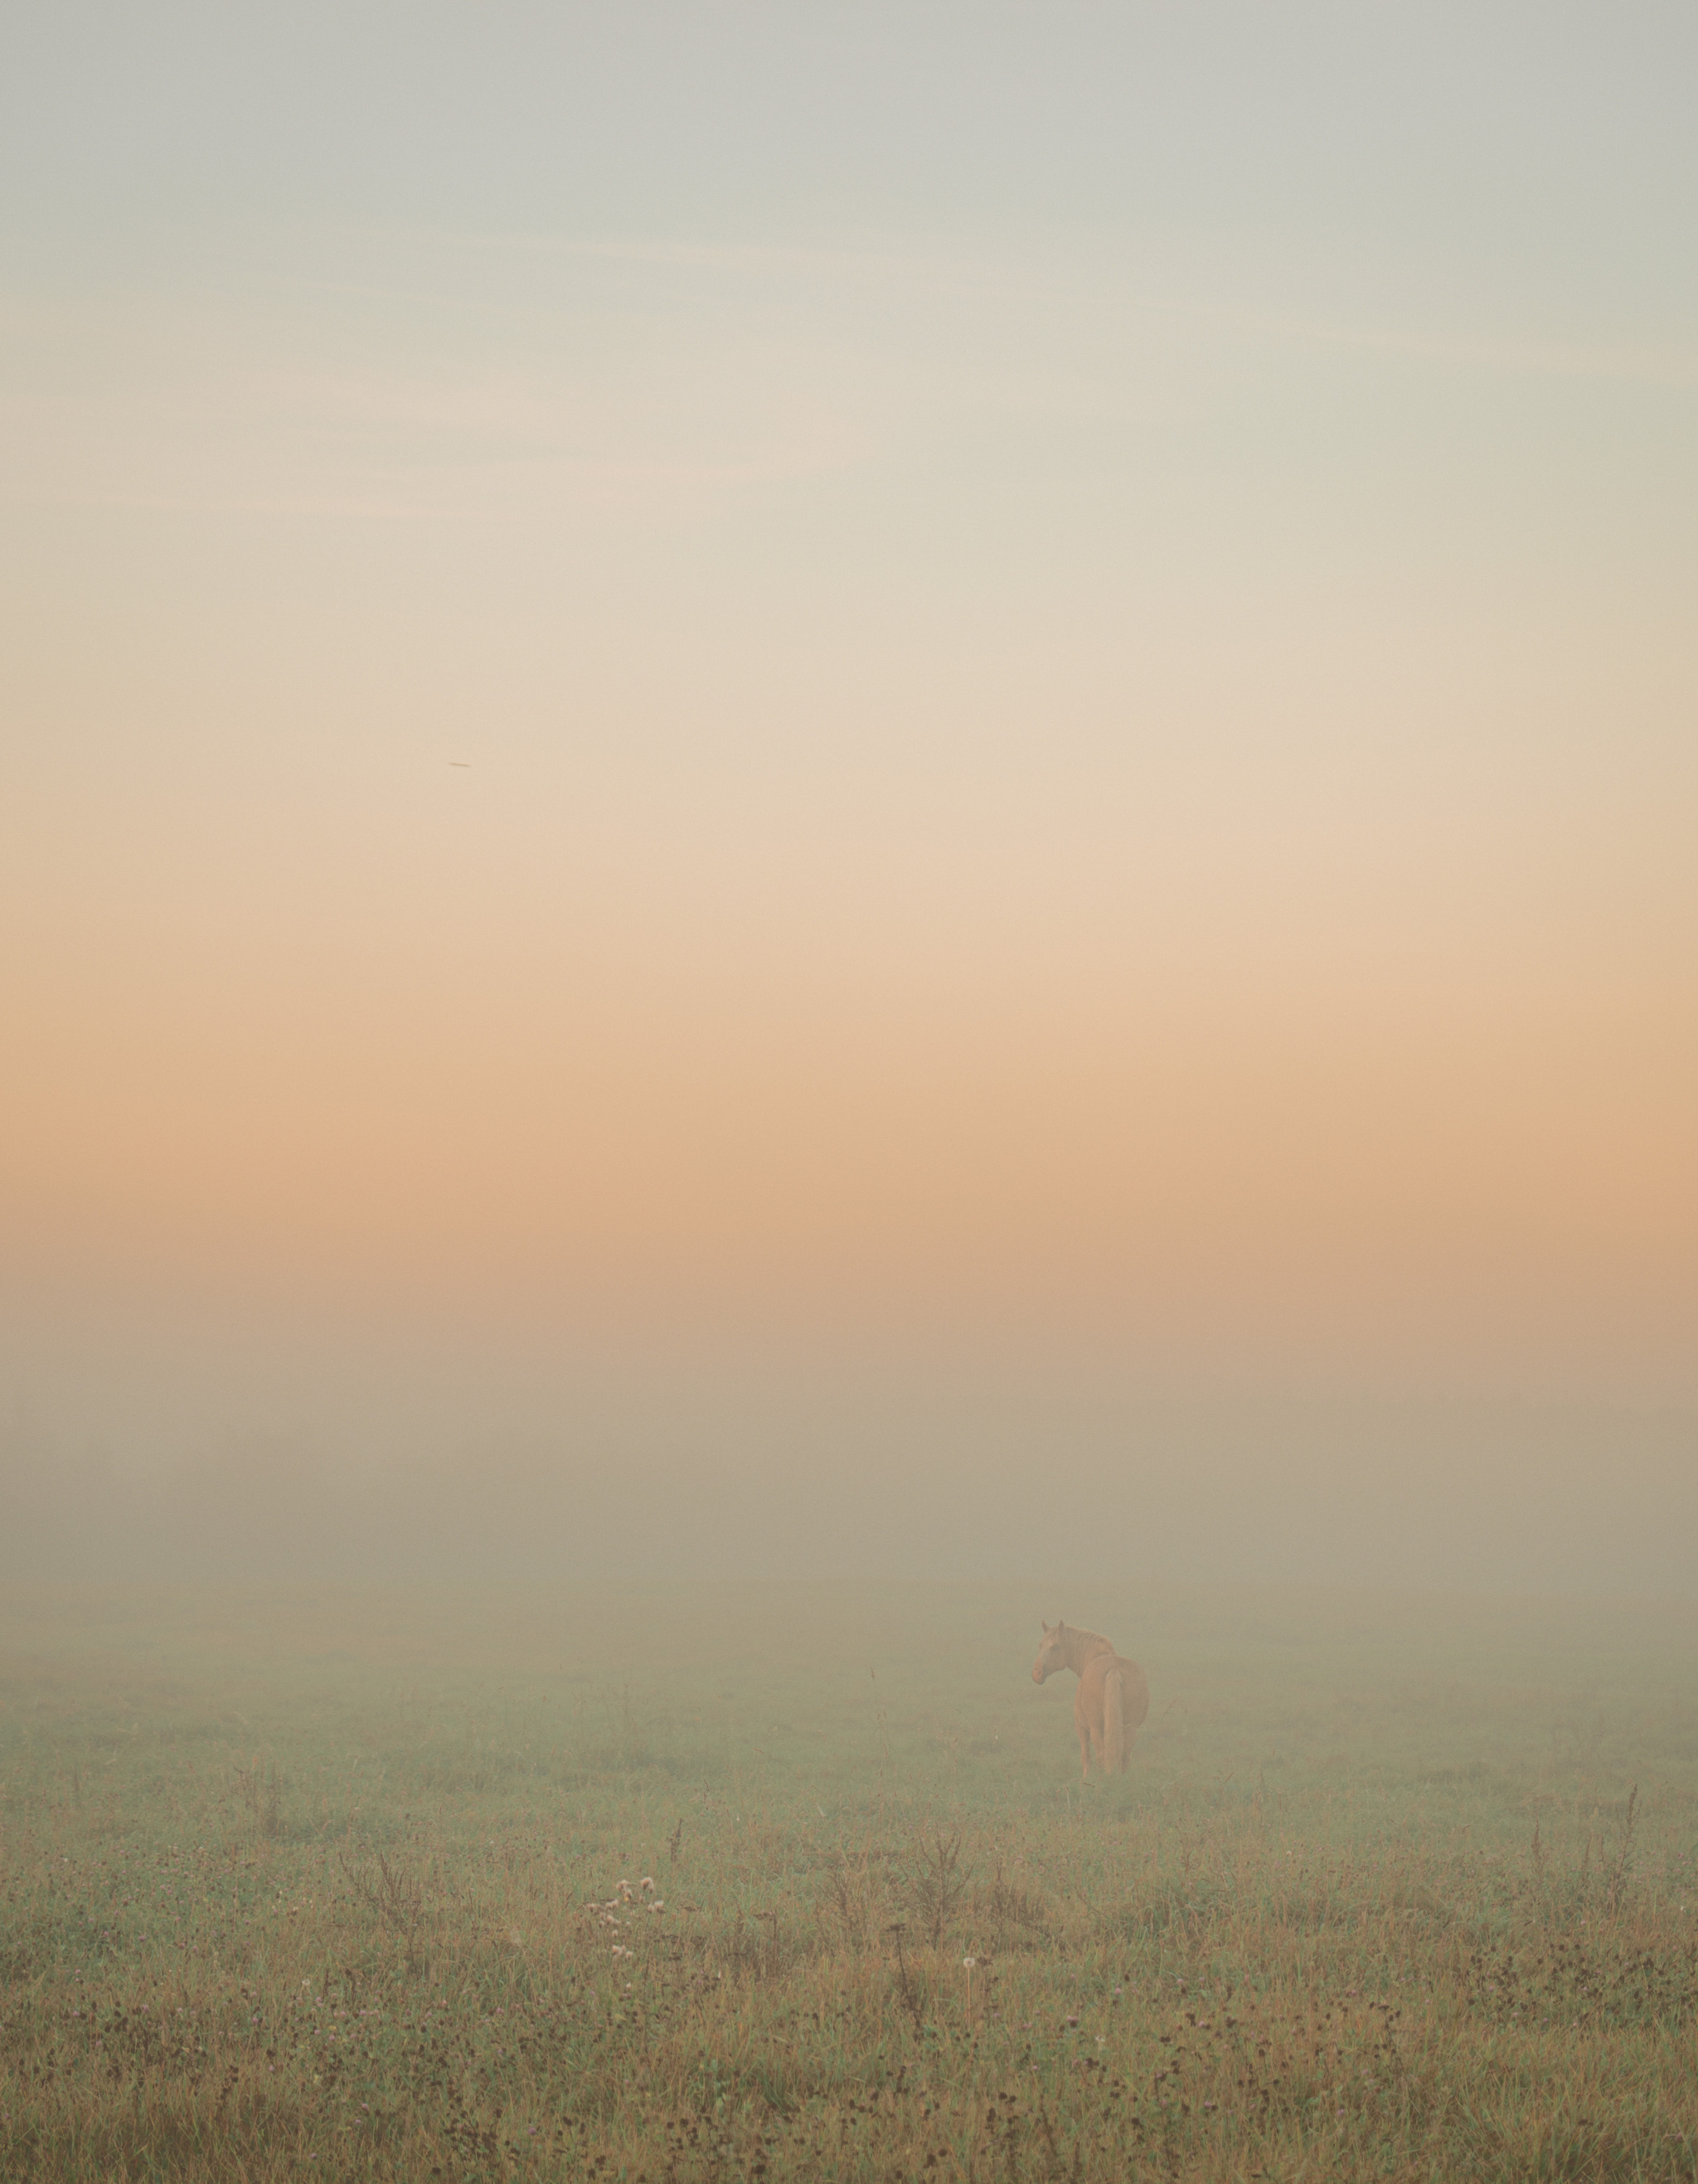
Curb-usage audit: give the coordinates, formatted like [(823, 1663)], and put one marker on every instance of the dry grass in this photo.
[(332, 1888)]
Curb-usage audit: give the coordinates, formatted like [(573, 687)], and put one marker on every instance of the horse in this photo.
[(1112, 1699)]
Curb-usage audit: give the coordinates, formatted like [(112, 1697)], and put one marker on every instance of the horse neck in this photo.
[(1083, 1646)]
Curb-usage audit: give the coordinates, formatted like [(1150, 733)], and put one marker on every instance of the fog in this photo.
[(663, 1468)]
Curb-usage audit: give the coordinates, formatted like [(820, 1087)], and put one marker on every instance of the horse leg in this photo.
[(1137, 1697), (1082, 1721)]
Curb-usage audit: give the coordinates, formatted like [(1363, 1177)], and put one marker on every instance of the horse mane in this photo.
[(1082, 1645)]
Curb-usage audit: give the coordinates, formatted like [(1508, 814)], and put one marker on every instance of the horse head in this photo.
[(1052, 1654)]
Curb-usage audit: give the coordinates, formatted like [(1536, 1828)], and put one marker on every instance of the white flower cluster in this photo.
[(625, 1897)]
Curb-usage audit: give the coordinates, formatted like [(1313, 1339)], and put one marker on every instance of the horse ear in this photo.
[(1045, 1625)]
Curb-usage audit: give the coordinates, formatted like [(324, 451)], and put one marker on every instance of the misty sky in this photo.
[(698, 696)]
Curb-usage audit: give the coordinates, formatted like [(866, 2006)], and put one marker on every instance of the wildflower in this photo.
[(969, 1962), (648, 1882)]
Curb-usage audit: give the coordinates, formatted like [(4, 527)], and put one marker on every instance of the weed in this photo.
[(471, 1934)]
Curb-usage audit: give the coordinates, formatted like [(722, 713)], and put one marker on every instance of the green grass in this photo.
[(321, 1884)]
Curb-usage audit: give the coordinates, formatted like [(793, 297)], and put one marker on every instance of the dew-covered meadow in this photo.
[(743, 1882)]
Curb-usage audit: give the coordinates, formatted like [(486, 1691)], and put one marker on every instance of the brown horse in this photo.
[(1112, 1698)]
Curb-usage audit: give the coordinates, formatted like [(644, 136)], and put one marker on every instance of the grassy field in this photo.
[(760, 1883)]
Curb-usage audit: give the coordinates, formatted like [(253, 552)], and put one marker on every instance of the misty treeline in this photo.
[(1479, 1497)]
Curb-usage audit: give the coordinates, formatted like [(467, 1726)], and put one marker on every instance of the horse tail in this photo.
[(1114, 1723)]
